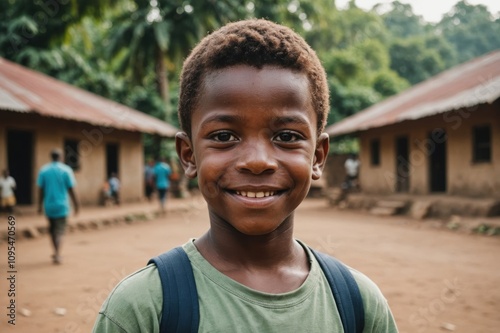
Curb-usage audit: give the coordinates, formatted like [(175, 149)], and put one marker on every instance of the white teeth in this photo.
[(255, 194)]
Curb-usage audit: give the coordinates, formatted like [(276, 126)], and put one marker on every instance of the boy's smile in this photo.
[(254, 146)]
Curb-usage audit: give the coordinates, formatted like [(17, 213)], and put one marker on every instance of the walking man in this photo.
[(162, 173), (55, 181)]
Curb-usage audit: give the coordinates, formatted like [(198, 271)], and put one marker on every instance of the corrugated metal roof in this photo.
[(25, 90), (472, 83)]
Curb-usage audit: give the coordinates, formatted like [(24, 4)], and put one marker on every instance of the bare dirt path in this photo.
[(432, 278)]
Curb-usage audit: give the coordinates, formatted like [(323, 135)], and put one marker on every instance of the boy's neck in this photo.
[(235, 247), (273, 263)]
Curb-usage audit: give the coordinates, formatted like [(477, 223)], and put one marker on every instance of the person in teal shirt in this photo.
[(55, 181), (253, 107), (162, 173)]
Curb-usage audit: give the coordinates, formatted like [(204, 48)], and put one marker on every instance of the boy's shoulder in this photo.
[(368, 289), (378, 316), (142, 282), (135, 302)]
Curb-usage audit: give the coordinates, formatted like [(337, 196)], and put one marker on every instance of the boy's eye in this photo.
[(224, 137), (287, 137)]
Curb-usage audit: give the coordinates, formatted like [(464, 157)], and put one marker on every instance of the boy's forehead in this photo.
[(231, 82), (243, 71), (273, 94)]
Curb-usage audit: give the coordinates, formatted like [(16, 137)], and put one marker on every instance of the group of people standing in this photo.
[(157, 179)]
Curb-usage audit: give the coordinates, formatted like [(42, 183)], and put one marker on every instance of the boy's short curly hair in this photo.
[(256, 43)]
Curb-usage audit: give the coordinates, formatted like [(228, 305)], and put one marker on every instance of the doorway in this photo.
[(402, 165), (112, 158), (437, 160), (20, 164)]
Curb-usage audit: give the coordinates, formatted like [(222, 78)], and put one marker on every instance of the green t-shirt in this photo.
[(227, 306)]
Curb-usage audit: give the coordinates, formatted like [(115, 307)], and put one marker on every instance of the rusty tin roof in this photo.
[(28, 91), (466, 85)]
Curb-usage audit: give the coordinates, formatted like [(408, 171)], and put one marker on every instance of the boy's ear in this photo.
[(185, 152), (320, 154)]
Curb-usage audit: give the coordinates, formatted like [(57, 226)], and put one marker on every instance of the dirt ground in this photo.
[(435, 280)]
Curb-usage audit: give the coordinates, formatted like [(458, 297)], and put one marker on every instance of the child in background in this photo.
[(114, 188), (7, 187)]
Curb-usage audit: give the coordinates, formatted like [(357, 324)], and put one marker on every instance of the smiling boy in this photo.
[(253, 106)]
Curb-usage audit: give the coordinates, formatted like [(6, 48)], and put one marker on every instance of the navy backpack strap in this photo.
[(345, 292), (180, 313)]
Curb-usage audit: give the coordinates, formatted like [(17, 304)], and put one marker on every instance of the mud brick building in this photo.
[(441, 136), (98, 136)]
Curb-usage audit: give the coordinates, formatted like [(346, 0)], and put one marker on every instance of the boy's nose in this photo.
[(257, 159)]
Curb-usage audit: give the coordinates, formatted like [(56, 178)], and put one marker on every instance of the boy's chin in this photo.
[(258, 229)]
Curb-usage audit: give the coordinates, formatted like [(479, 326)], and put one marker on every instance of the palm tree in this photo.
[(31, 32), (160, 33)]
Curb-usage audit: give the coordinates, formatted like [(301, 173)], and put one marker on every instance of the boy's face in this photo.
[(254, 146)]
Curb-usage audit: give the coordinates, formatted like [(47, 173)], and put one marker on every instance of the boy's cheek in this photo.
[(215, 160), (209, 188)]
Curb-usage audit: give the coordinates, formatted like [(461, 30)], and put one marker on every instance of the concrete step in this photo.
[(335, 196), (384, 211), (392, 204)]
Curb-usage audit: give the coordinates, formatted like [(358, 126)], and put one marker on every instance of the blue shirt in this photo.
[(162, 173), (114, 184), (55, 179)]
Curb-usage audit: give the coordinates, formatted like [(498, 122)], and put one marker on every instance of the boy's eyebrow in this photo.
[(278, 121), (223, 118), (291, 119)]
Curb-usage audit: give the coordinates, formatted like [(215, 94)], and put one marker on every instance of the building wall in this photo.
[(475, 179), (49, 133), (334, 170), (464, 177)]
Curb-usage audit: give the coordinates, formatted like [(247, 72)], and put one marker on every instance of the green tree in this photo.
[(156, 35), (340, 29), (346, 100), (401, 21), (31, 31), (471, 29), (387, 83), (325, 33), (358, 25), (360, 76), (413, 60), (417, 49)]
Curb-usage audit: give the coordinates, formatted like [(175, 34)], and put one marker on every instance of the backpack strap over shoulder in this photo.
[(345, 292), (180, 312)]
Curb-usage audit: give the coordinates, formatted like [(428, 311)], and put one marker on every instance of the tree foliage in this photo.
[(472, 30), (401, 21)]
